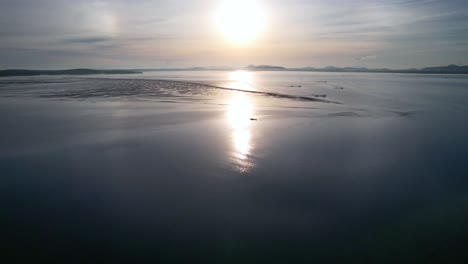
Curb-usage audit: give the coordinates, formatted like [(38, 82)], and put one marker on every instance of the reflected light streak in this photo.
[(240, 80), (239, 114), (241, 140)]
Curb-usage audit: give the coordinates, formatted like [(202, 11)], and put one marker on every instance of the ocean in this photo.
[(235, 167)]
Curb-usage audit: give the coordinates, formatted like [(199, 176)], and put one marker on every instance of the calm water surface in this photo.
[(144, 169)]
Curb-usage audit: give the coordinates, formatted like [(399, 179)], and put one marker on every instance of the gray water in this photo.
[(168, 167)]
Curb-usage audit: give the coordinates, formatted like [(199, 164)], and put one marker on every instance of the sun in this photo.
[(240, 20)]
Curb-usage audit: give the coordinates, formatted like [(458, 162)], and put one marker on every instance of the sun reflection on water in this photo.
[(239, 114), (240, 80)]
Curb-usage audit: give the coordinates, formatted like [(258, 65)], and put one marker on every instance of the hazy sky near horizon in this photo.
[(53, 34)]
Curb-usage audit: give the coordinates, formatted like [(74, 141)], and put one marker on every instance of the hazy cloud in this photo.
[(367, 57), (404, 33), (88, 40)]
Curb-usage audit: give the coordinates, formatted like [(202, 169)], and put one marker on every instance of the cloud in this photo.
[(88, 40), (298, 32), (367, 57)]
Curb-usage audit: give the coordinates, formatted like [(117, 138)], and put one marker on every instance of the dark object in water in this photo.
[(253, 119), (298, 86)]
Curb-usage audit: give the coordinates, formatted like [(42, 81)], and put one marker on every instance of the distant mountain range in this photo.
[(5, 73), (450, 69)]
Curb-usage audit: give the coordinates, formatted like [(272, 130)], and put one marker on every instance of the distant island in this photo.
[(450, 69), (265, 68), (7, 73)]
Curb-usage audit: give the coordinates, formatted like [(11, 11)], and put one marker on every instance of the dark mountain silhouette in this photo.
[(440, 69), (265, 68), (452, 69)]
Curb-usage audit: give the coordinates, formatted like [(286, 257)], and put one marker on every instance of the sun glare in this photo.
[(240, 20), (240, 80)]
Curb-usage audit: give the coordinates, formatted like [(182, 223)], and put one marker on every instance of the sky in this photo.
[(59, 34)]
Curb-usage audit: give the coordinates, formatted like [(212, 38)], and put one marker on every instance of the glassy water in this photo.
[(302, 167)]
